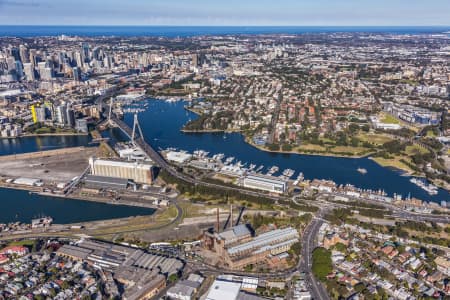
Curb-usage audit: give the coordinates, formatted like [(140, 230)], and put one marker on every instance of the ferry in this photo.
[(362, 170), (430, 188)]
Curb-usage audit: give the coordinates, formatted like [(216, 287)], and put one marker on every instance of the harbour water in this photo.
[(20, 206), (41, 143), (162, 122)]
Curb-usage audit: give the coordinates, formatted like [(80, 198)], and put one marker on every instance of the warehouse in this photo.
[(28, 181), (139, 172), (178, 157), (265, 183), (102, 182)]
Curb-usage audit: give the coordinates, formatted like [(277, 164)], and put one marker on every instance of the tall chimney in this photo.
[(231, 215), (218, 221)]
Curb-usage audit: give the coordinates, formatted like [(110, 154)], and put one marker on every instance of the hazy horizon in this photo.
[(384, 13)]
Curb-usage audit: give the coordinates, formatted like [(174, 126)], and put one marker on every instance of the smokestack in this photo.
[(218, 221), (231, 215)]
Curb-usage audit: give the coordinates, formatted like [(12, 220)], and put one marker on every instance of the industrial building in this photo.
[(265, 183), (185, 289), (238, 248), (139, 172), (142, 274), (229, 287), (103, 182), (28, 181)]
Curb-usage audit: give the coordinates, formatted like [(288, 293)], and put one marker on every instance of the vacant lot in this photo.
[(50, 166)]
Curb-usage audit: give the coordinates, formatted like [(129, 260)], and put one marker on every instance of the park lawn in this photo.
[(26, 243), (350, 149), (388, 119), (374, 138), (394, 163), (311, 147), (413, 149), (327, 140), (430, 133)]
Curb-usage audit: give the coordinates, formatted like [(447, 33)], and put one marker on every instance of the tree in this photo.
[(297, 248), (340, 247), (321, 265), (172, 278), (359, 287)]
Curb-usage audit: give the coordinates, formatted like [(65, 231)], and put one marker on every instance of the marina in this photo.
[(200, 160), (430, 188)]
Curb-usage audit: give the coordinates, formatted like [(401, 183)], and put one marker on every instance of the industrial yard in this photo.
[(50, 166)]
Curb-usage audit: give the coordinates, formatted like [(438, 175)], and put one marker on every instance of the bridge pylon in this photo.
[(136, 124), (111, 104)]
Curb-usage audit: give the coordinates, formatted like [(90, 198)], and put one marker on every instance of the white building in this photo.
[(224, 290), (178, 157), (139, 172), (265, 183)]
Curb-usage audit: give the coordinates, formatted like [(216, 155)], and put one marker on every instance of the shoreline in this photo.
[(312, 153), (45, 134), (39, 192), (404, 172)]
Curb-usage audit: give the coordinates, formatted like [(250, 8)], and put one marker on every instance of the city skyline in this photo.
[(230, 13)]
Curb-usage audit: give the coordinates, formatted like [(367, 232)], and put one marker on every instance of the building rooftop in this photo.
[(266, 239), (223, 290)]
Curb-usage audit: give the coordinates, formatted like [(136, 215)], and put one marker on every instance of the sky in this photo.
[(227, 12)]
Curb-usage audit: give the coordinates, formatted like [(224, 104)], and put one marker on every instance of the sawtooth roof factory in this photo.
[(143, 275)]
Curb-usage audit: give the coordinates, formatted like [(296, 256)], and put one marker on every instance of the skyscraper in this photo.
[(70, 115), (29, 71), (61, 114), (19, 69), (24, 55), (85, 52), (76, 74)]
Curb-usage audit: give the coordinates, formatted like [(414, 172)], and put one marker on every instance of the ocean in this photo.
[(187, 31)]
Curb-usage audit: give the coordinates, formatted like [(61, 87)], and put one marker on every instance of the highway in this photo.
[(309, 243)]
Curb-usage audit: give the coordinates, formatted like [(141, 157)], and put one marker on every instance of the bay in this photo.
[(162, 121)]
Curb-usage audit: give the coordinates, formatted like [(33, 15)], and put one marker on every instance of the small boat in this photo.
[(362, 170)]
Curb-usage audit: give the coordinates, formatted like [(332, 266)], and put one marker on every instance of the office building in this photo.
[(38, 114), (29, 71), (61, 115), (76, 74), (81, 125), (70, 115), (265, 183)]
